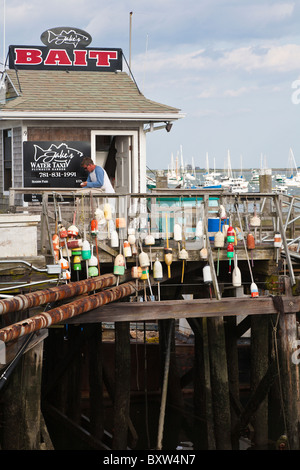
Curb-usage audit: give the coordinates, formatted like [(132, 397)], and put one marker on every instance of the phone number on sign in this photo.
[(58, 174)]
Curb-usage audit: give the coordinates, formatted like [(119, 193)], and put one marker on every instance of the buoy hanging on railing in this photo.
[(219, 243), (168, 251), (114, 239), (236, 274), (254, 290), (277, 244), (107, 211), (157, 274), (199, 229), (207, 277), (230, 254), (144, 259), (127, 249), (177, 232), (168, 259), (136, 272), (255, 220), (131, 236), (183, 255), (119, 265), (203, 251), (86, 250), (149, 241), (222, 212), (92, 265), (251, 245), (64, 264), (230, 235), (55, 242)]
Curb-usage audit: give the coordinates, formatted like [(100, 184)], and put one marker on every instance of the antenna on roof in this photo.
[(130, 29), (4, 20)]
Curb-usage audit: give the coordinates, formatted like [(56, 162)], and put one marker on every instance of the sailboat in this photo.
[(293, 180), (234, 184), (174, 179), (211, 180)]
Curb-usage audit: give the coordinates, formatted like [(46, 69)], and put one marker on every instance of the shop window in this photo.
[(7, 159)]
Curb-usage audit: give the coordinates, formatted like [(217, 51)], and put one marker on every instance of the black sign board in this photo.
[(45, 58), (54, 164)]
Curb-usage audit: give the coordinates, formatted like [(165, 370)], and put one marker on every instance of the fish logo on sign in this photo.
[(61, 153), (64, 36)]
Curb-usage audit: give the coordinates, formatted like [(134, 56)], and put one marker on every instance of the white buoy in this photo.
[(236, 274)]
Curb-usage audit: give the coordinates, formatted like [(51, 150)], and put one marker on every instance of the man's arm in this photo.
[(100, 179)]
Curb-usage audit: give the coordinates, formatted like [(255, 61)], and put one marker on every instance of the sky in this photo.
[(231, 67)]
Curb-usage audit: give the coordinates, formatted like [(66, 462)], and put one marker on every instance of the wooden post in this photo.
[(233, 371), (259, 367), (95, 381), (219, 383), (204, 436), (289, 377), (21, 425), (122, 385)]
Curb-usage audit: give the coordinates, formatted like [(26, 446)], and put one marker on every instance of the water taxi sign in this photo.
[(65, 48)]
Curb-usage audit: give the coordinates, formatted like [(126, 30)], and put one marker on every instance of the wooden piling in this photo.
[(122, 385), (21, 404), (259, 367), (219, 383)]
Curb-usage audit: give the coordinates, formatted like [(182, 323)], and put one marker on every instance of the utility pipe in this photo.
[(64, 312), (34, 299)]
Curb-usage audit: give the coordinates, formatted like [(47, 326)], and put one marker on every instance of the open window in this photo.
[(117, 153)]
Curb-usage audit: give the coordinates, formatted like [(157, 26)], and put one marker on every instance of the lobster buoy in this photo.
[(63, 232), (219, 240), (236, 274), (207, 278), (119, 265), (66, 275), (177, 232), (255, 220), (86, 250), (131, 236), (136, 272), (114, 239), (107, 211), (230, 254), (203, 251), (254, 290), (77, 263), (230, 235), (277, 240), (157, 270), (145, 273), (72, 231), (199, 229), (55, 242), (64, 264), (94, 227), (222, 212), (144, 259), (76, 243), (251, 245), (127, 249), (250, 241), (168, 259), (120, 222)]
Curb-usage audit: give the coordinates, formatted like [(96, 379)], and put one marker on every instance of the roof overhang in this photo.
[(142, 117)]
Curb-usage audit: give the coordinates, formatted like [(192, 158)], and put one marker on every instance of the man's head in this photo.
[(88, 164)]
